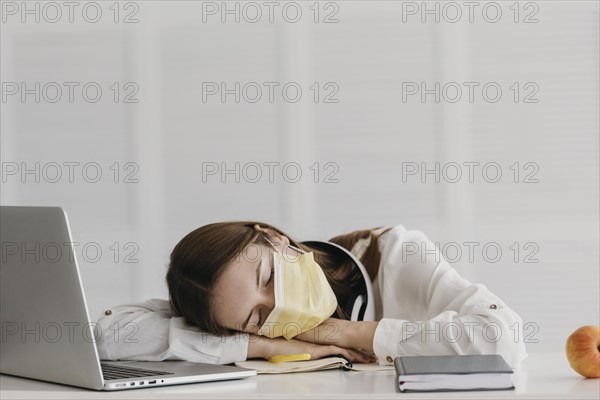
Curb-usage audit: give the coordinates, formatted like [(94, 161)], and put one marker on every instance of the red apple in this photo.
[(583, 351)]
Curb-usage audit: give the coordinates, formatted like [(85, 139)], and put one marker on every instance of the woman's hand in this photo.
[(264, 347), (343, 333)]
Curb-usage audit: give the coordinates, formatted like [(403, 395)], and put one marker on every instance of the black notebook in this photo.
[(453, 373)]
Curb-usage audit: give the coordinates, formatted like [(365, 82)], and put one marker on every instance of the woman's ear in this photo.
[(273, 234)]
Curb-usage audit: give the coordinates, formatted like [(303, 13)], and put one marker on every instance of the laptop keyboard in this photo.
[(117, 372)]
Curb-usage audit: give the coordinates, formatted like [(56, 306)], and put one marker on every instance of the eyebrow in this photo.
[(258, 269)]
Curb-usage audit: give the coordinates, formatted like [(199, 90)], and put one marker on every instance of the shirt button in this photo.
[(107, 312), (389, 359), (493, 306)]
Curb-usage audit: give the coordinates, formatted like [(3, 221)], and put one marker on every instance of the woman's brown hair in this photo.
[(198, 261)]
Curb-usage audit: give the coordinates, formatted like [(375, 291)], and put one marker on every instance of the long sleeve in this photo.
[(149, 331), (428, 309)]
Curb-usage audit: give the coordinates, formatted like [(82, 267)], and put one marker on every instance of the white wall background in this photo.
[(368, 135)]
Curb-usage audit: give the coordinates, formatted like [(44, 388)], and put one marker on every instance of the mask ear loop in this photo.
[(299, 250), (272, 245)]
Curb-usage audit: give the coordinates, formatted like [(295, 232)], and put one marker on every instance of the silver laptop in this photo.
[(46, 330)]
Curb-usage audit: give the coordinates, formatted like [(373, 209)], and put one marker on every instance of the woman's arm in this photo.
[(148, 331), (428, 310), (263, 347)]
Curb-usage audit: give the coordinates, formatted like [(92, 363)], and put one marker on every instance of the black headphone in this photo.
[(360, 306)]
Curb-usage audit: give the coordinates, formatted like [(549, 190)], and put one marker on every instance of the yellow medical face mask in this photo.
[(303, 297)]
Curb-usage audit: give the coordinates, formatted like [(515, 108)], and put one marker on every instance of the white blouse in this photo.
[(423, 305)]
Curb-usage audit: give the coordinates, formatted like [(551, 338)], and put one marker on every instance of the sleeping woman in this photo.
[(242, 290)]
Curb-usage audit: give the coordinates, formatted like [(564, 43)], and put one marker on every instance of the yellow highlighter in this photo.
[(290, 357)]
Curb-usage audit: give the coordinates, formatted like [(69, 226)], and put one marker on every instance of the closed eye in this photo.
[(271, 268), (270, 276), (260, 319)]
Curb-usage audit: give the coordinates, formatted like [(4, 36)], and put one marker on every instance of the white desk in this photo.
[(542, 376)]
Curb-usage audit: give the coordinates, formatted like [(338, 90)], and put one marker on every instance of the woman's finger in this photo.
[(353, 356), (363, 356), (350, 354)]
